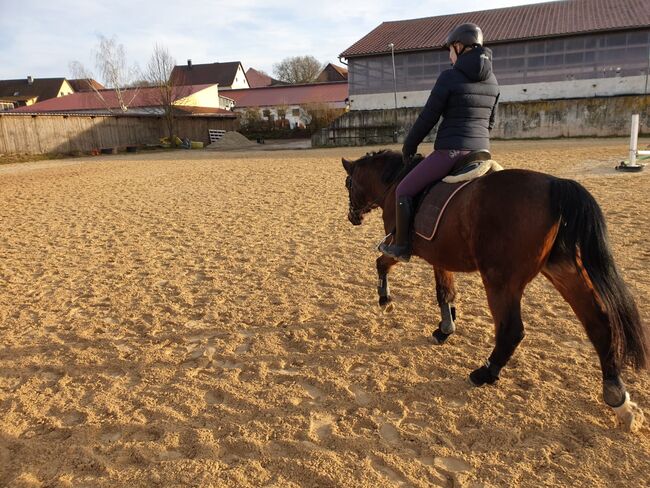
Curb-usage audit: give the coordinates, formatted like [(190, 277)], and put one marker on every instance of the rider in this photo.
[(466, 97)]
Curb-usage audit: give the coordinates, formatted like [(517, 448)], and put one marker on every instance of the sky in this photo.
[(41, 38)]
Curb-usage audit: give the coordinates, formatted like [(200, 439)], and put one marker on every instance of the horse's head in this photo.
[(368, 180)]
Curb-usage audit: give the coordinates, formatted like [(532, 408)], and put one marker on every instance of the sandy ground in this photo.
[(213, 322)]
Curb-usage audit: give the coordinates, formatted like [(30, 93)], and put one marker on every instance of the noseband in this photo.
[(369, 206)]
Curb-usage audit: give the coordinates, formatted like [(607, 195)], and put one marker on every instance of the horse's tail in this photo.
[(582, 236)]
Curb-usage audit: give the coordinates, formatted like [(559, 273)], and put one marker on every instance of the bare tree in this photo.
[(166, 91), (79, 71), (111, 63), (298, 69)]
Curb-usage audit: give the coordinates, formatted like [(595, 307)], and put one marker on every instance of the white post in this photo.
[(634, 139)]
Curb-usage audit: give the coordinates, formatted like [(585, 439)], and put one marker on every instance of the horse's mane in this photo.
[(394, 168)]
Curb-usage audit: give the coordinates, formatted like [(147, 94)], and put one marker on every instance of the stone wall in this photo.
[(579, 117)]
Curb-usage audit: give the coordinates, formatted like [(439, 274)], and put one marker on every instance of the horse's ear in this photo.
[(347, 165)]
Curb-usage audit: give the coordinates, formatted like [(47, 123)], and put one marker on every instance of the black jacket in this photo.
[(466, 97)]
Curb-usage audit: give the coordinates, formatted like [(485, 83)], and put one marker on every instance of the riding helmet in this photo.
[(467, 34)]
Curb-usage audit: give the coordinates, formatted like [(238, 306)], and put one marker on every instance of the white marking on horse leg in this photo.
[(630, 417)]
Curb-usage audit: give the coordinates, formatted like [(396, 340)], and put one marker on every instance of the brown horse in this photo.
[(509, 226)]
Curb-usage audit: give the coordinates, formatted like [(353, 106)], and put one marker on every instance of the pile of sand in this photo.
[(232, 140)]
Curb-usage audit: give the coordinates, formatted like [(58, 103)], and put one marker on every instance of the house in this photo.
[(29, 90), (545, 51), (191, 99), (290, 102), (332, 73), (258, 79), (229, 76)]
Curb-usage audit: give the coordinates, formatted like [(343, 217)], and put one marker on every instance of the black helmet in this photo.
[(467, 34)]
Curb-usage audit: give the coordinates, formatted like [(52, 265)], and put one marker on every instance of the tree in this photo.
[(298, 69), (165, 91), (110, 61)]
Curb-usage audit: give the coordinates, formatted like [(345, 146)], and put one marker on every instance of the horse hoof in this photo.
[(629, 416), (439, 337), (386, 304), (482, 376)]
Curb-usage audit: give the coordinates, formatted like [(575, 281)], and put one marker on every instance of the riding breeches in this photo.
[(434, 167)]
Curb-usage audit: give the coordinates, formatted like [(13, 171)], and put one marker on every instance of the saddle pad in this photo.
[(433, 206), (484, 168)]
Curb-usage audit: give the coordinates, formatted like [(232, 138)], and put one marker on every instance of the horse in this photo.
[(510, 226)]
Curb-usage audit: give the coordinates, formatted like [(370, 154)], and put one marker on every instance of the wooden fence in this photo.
[(56, 133)]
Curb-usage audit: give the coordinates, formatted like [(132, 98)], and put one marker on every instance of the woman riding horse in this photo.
[(466, 97)]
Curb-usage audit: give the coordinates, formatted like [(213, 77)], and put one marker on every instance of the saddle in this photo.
[(432, 202)]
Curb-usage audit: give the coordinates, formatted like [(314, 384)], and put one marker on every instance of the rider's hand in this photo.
[(407, 158)]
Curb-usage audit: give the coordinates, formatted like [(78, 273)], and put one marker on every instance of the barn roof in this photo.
[(507, 24), (272, 96), (88, 101)]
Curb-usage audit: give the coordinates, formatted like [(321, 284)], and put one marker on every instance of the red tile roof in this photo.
[(506, 24), (83, 101), (273, 96), (257, 79), (83, 84)]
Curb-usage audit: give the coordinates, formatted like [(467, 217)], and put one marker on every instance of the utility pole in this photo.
[(392, 52)]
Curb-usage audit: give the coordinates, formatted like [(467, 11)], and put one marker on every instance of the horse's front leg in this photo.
[(446, 295), (384, 264)]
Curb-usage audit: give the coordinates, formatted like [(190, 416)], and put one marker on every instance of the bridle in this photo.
[(376, 203)]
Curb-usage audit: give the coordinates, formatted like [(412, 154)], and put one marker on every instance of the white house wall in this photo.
[(601, 87), (302, 119), (240, 80)]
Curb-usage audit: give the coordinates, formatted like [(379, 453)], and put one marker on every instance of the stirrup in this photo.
[(403, 258), (383, 241)]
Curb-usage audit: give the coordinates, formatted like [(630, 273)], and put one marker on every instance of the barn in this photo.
[(562, 50)]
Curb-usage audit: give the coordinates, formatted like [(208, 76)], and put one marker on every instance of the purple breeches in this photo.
[(434, 167)]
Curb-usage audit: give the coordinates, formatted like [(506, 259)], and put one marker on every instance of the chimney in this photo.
[(189, 64), (30, 80)]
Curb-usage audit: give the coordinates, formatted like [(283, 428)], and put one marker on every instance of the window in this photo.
[(266, 112), (516, 49), (575, 44), (574, 58), (637, 38), (554, 60), (616, 39), (295, 112), (516, 63)]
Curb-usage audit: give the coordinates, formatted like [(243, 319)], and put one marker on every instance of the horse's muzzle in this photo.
[(355, 218)]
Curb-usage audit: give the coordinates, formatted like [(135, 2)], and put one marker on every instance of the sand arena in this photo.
[(212, 321)]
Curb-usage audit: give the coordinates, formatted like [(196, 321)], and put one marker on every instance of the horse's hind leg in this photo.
[(576, 289), (445, 295), (505, 305), (384, 264)]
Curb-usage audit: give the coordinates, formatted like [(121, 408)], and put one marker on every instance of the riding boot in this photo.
[(401, 247)]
